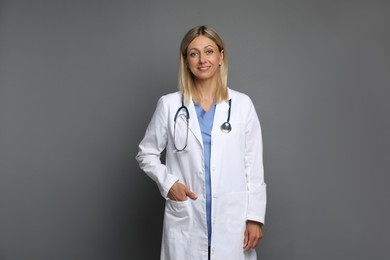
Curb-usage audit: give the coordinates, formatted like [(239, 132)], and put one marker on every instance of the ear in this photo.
[(221, 54)]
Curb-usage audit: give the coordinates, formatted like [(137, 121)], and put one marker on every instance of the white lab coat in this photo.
[(237, 179)]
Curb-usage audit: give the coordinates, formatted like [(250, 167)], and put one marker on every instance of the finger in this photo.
[(191, 194), (256, 241), (245, 239), (252, 240), (250, 244), (247, 247)]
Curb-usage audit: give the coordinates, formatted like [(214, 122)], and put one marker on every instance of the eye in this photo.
[(193, 54), (209, 52)]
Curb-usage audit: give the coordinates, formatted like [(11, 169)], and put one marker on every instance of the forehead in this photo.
[(201, 42)]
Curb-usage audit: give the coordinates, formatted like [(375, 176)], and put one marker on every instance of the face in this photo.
[(204, 58)]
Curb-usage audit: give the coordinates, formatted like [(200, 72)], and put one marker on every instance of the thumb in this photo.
[(191, 194), (246, 234)]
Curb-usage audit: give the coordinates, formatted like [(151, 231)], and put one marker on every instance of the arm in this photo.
[(150, 148), (148, 157), (255, 180)]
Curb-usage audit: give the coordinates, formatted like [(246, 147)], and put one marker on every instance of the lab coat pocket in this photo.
[(177, 209), (177, 220)]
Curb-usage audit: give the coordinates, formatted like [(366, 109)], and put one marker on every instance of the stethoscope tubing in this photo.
[(226, 127)]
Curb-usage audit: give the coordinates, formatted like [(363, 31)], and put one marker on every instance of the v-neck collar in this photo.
[(201, 112), (220, 115)]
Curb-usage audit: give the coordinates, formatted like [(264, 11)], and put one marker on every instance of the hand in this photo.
[(179, 192), (253, 234)]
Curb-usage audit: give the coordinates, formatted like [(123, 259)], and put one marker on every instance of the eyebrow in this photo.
[(203, 47)]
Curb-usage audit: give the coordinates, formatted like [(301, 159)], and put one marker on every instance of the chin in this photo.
[(205, 76)]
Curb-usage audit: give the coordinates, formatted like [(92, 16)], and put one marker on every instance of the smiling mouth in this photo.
[(203, 68)]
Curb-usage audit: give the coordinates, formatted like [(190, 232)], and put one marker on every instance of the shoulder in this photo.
[(239, 97), (243, 103), (169, 99)]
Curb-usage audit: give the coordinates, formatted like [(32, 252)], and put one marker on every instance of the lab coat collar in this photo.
[(220, 116)]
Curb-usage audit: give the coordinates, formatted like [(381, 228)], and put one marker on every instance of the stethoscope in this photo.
[(226, 127)]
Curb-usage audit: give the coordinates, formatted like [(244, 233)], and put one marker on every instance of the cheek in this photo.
[(191, 69), (190, 63), (216, 59)]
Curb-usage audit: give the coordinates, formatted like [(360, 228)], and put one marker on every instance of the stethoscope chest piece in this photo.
[(226, 127)]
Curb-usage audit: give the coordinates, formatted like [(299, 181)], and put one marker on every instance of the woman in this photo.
[(213, 179)]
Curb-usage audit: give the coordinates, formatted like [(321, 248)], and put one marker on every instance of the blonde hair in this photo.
[(186, 78)]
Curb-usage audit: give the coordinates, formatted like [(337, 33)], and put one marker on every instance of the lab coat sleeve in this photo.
[(254, 169), (150, 148)]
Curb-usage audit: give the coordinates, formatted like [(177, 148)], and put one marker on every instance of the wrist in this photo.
[(254, 222)]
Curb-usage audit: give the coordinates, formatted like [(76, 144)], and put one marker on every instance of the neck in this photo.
[(207, 89)]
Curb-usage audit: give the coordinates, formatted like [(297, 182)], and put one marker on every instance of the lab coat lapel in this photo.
[(194, 124)]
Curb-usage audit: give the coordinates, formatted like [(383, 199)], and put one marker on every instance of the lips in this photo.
[(203, 68)]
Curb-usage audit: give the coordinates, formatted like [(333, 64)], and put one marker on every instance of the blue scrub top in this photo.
[(206, 120)]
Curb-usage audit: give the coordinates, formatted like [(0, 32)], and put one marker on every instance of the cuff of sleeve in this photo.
[(256, 218)]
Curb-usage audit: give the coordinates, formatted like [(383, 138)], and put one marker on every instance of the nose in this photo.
[(202, 58)]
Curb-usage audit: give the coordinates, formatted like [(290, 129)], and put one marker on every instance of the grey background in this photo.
[(79, 81)]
